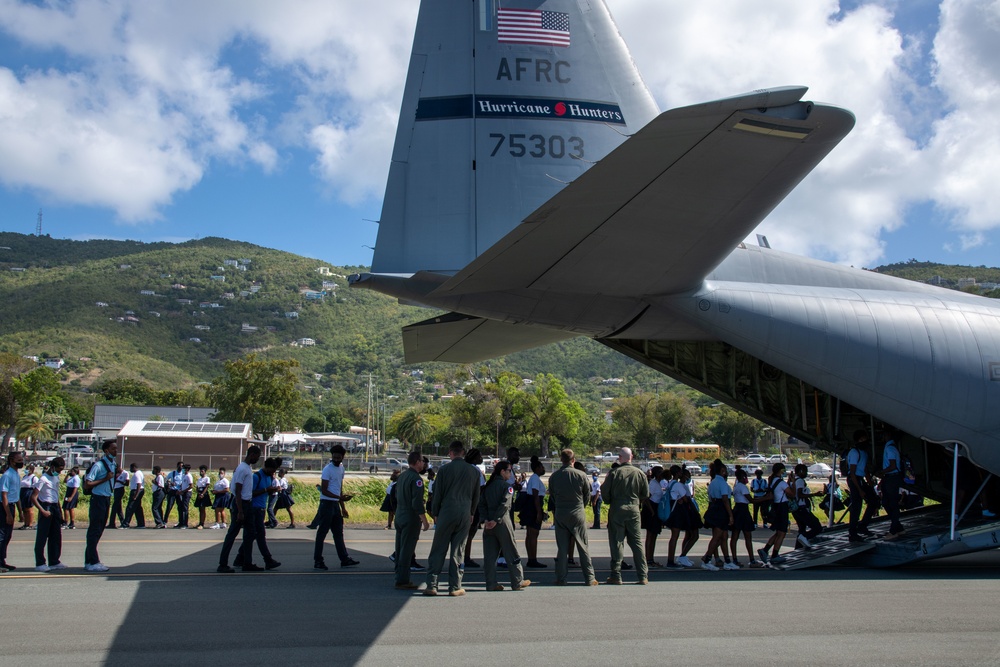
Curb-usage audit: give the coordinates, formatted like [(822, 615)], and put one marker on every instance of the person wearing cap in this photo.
[(569, 491), (624, 490), (98, 481), (410, 518)]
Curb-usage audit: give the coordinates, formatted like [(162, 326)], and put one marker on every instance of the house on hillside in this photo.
[(305, 342), (323, 270), (218, 278), (54, 364), (229, 262), (147, 292), (247, 328), (292, 315)]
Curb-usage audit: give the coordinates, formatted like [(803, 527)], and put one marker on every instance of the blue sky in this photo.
[(270, 123)]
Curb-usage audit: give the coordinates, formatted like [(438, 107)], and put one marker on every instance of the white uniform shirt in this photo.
[(244, 475), (122, 479), (203, 483), (595, 488), (535, 483), (72, 482), (136, 480), (48, 488), (221, 485), (29, 481), (779, 491), (334, 476), (282, 484), (759, 486), (655, 491), (183, 482), (678, 490), (159, 481)]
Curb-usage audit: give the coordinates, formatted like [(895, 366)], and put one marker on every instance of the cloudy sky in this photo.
[(273, 122)]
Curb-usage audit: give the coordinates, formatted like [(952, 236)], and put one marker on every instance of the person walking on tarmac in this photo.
[(624, 490), (858, 481), (498, 530), (891, 477), (410, 518), (456, 495), (569, 492)]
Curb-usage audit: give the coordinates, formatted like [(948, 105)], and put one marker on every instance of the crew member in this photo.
[(410, 517), (569, 492), (456, 495), (625, 489)]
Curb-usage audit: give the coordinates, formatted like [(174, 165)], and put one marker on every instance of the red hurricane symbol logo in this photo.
[(560, 109)]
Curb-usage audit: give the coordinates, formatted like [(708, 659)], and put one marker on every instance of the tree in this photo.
[(123, 391), (36, 425), (413, 427), (12, 366), (549, 411), (735, 430), (678, 418), (637, 416), (264, 393)]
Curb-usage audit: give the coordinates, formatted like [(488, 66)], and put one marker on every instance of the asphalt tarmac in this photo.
[(163, 603)]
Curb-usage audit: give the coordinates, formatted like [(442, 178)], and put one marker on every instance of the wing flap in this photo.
[(662, 210), (462, 339)]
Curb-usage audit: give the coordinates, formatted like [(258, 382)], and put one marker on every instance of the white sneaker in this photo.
[(730, 566), (57, 566), (42, 568), (215, 526), (801, 539), (685, 561), (97, 567), (222, 525), (709, 566)]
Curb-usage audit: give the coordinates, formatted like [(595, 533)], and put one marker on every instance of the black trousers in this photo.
[(183, 507), (134, 507), (890, 500), (158, 496), (49, 534), (116, 507), (249, 534), (866, 495), (330, 520), (99, 508)]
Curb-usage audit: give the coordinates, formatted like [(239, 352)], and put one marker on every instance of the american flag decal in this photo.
[(532, 26)]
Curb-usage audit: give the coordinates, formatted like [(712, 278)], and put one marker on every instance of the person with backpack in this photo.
[(718, 516), (97, 484), (649, 516), (778, 492), (263, 486), (171, 490), (241, 517), (858, 483), (759, 489), (809, 525), (743, 522), (891, 476)]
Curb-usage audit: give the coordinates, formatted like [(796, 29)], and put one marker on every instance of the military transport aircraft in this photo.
[(535, 194)]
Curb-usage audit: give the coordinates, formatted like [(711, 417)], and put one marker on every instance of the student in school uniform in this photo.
[(183, 483), (48, 537), (136, 490), (809, 525), (684, 518), (743, 521), (719, 515), (284, 501), (221, 492), (263, 486), (10, 497), (242, 516), (759, 489), (203, 495), (72, 497), (118, 487), (159, 493), (171, 489), (389, 501), (28, 484), (779, 490), (532, 517)]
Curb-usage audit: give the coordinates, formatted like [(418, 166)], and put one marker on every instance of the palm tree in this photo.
[(413, 427), (35, 425)]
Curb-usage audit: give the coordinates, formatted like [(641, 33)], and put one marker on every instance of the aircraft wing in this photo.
[(458, 338), (663, 209)]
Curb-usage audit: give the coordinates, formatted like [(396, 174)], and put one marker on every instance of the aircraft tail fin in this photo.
[(502, 107)]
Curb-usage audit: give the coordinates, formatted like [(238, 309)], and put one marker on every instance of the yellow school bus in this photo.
[(684, 452)]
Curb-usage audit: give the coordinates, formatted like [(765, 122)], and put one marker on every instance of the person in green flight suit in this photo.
[(624, 490), (498, 529), (569, 493), (456, 495), (410, 517)]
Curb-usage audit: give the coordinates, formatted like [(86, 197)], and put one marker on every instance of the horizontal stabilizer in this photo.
[(463, 339), (666, 207)]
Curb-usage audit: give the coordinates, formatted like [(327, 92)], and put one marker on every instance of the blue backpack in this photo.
[(664, 507)]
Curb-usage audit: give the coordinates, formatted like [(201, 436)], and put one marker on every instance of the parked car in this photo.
[(592, 469), (607, 457), (777, 458), (755, 458), (288, 463), (820, 471)]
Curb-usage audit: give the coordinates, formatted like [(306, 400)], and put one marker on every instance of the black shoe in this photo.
[(471, 563), (535, 565), (238, 562), (312, 526), (272, 565), (8, 566), (252, 568), (350, 562), (866, 533), (320, 565), (856, 539), (571, 562), (626, 566), (225, 569)]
